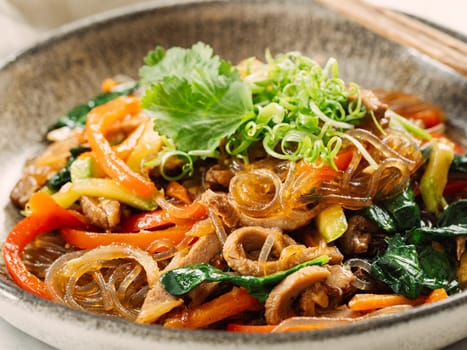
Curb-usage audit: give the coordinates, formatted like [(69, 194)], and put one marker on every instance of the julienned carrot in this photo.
[(224, 306), (180, 192), (108, 84), (248, 328), (368, 302), (436, 295), (98, 120)]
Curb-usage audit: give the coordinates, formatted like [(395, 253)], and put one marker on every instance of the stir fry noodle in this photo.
[(269, 196)]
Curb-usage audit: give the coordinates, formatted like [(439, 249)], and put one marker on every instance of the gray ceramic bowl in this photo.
[(67, 68)]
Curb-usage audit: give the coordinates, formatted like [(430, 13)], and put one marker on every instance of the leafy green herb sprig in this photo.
[(295, 108)]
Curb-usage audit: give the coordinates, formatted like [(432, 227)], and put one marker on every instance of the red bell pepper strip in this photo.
[(46, 216), (343, 159), (143, 240), (149, 220), (98, 120), (454, 187)]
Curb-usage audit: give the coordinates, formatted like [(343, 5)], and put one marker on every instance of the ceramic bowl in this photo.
[(44, 81)]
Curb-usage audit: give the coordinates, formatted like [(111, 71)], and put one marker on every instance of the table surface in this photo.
[(24, 21)]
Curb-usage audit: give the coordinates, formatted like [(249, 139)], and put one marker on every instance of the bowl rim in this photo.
[(10, 292)]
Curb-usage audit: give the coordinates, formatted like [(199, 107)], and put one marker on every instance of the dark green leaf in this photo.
[(438, 271), (455, 213), (404, 210), (400, 268), (459, 164), (381, 217), (422, 234), (182, 280)]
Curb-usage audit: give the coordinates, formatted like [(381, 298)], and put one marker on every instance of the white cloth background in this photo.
[(24, 21)]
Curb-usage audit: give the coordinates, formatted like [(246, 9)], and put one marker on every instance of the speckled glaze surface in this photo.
[(67, 67)]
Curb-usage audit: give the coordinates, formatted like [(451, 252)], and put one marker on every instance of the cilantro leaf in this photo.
[(196, 98)]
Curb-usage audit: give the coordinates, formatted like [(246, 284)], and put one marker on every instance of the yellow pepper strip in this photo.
[(436, 175), (108, 188), (331, 222)]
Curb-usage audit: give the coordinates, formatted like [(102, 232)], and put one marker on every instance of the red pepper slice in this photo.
[(149, 220), (454, 187), (46, 216), (143, 240)]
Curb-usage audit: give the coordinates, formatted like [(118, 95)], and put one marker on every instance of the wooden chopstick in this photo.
[(406, 31)]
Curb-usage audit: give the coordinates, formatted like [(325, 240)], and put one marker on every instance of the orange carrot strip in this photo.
[(227, 305), (248, 328), (177, 191), (124, 148), (108, 84), (367, 302), (436, 295), (98, 120)]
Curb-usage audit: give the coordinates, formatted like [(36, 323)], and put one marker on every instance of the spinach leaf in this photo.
[(455, 213), (422, 234), (438, 271), (400, 268), (404, 210), (459, 164), (182, 280), (63, 176), (381, 217), (452, 222), (77, 116), (408, 268)]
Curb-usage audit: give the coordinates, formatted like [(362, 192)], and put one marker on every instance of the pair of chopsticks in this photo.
[(406, 31)]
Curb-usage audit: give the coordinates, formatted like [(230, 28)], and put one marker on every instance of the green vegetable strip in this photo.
[(107, 188), (182, 280)]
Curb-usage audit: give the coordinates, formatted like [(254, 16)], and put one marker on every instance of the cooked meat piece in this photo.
[(358, 235), (312, 296), (31, 181), (101, 212), (341, 278), (220, 205), (280, 302), (38, 170), (158, 301), (225, 207), (242, 247), (206, 248), (373, 103), (219, 176), (287, 221), (339, 284)]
